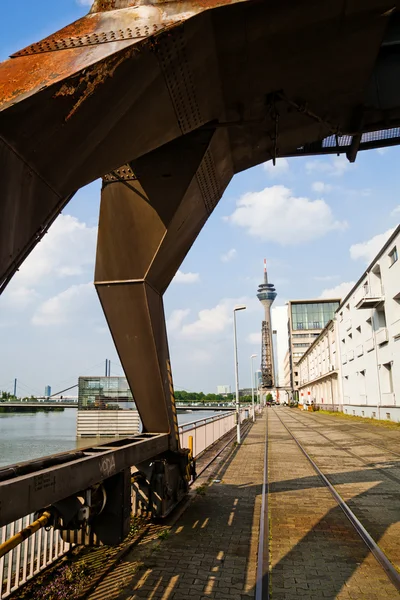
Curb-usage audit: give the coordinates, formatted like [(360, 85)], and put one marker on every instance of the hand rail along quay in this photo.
[(51, 478)]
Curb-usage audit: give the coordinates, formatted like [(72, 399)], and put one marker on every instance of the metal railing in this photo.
[(29, 558), (46, 546), (207, 431)]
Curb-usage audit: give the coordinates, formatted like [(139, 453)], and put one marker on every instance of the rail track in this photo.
[(101, 561), (391, 439), (352, 454), (263, 585)]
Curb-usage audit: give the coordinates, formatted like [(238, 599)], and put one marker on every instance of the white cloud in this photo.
[(176, 318), (335, 167), (369, 249), (275, 215), (254, 338), (216, 320), (19, 297), (339, 291), (228, 256), (182, 277), (85, 2), (66, 306), (321, 187), (281, 167), (66, 250), (382, 151), (395, 212)]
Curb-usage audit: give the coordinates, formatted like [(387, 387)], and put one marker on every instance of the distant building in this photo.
[(286, 369), (354, 364), (307, 318), (319, 371), (106, 408), (257, 379), (245, 392), (275, 354), (47, 391), (266, 294), (224, 389)]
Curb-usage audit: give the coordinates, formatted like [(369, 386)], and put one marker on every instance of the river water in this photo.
[(24, 436)]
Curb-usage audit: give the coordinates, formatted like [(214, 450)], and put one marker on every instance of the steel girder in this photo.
[(183, 94)]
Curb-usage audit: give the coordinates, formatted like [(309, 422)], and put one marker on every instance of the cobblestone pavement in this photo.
[(211, 551), (315, 552)]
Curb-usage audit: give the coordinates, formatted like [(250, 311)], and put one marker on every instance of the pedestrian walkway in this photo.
[(211, 552), (315, 551)]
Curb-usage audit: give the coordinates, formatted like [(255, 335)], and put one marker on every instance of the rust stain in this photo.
[(91, 79), (103, 5), (25, 75)]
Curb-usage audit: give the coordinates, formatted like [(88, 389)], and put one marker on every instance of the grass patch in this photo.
[(369, 420), (201, 490), (164, 535)]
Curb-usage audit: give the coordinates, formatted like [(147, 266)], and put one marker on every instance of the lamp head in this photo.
[(239, 307)]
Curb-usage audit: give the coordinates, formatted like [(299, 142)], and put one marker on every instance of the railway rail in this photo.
[(392, 439), (99, 562), (264, 581)]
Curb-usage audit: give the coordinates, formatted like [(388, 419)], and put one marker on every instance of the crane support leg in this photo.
[(152, 210)]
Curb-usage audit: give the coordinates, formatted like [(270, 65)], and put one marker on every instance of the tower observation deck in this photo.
[(266, 295)]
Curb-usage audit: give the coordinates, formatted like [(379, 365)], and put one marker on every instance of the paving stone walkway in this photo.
[(211, 552), (315, 552), (211, 549)]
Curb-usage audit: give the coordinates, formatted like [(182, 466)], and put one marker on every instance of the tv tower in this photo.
[(266, 295)]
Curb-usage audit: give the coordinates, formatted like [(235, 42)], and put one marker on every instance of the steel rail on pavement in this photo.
[(262, 579), (380, 556), (349, 452), (370, 443)]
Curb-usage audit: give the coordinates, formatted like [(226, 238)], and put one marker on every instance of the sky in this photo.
[(317, 221)]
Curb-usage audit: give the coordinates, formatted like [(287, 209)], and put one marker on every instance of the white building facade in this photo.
[(223, 389), (319, 372), (354, 364), (369, 332)]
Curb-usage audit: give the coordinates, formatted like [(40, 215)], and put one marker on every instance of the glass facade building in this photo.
[(306, 320), (104, 393), (312, 315)]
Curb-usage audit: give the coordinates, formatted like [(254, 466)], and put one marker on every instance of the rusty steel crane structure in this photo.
[(166, 100)]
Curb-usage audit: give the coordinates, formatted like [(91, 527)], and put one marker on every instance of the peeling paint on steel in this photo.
[(91, 79), (30, 73)]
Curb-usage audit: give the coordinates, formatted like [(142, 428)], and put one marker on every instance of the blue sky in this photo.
[(318, 221)]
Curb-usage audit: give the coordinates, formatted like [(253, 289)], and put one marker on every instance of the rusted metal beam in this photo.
[(23, 494)]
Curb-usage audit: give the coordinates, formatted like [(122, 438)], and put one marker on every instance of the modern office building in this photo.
[(223, 389), (47, 391), (354, 364), (106, 408), (307, 318), (266, 295)]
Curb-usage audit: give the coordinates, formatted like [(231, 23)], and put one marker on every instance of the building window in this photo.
[(388, 416), (387, 378), (374, 415), (393, 256)]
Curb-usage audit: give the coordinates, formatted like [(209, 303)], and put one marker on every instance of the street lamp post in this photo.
[(252, 385), (242, 307)]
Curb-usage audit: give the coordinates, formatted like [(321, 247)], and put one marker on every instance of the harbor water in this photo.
[(24, 436)]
